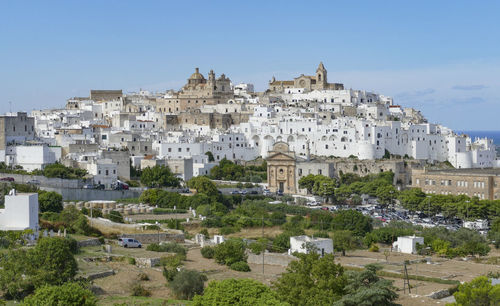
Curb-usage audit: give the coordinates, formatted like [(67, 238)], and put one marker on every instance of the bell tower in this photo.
[(321, 76)]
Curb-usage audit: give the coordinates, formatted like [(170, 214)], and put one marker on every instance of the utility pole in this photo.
[(406, 280)]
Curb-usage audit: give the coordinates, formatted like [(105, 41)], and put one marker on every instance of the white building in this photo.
[(301, 244), (32, 157), (104, 171), (407, 244), (20, 212)]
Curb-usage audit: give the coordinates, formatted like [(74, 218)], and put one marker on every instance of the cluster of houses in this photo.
[(109, 131)]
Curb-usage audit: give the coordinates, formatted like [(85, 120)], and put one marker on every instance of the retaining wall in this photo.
[(100, 275), (45, 181), (88, 242), (153, 238), (77, 194), (147, 262)]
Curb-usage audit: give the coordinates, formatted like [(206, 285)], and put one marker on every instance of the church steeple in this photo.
[(321, 77)]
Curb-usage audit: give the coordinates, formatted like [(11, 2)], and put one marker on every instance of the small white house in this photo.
[(20, 212), (300, 243), (407, 244)]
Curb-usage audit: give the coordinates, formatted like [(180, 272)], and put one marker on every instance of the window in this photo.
[(169, 149)]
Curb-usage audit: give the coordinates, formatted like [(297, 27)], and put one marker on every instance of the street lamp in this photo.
[(158, 228)]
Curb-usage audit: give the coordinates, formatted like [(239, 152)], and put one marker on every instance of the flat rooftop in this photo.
[(470, 171)]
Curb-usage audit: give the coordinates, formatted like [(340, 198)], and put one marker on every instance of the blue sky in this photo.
[(442, 57)]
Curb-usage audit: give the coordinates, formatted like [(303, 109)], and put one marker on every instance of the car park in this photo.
[(129, 243)]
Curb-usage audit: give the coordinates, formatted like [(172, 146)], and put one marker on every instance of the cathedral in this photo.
[(197, 92), (306, 82)]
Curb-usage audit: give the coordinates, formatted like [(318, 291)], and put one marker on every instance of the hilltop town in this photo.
[(217, 181)]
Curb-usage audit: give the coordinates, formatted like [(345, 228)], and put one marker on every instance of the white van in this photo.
[(129, 243)]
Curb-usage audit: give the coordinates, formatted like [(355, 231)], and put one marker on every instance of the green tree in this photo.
[(204, 185), (15, 273), (187, 283), (411, 198), (344, 241), (50, 201), (52, 261), (159, 176), (386, 194), (479, 291), (366, 288), (210, 156), (229, 252), (245, 292), (65, 294), (311, 280), (353, 221), (307, 182)]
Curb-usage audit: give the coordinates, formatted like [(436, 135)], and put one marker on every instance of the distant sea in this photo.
[(495, 135)]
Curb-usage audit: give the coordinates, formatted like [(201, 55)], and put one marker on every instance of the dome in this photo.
[(197, 75)]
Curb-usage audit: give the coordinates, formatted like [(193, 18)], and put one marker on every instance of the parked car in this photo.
[(267, 192), (100, 186), (129, 243), (254, 192), (34, 182), (89, 186), (7, 179), (118, 185), (279, 193), (243, 192), (235, 192)]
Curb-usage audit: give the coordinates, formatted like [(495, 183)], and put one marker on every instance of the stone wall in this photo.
[(153, 238), (88, 242), (400, 168), (100, 275), (271, 259), (77, 194), (147, 262), (46, 181)]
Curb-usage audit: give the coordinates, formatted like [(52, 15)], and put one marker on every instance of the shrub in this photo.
[(187, 283), (66, 294), (229, 252), (172, 261), (131, 260), (143, 276), (169, 273), (170, 247), (240, 266), (207, 252), (115, 216), (139, 290), (373, 248)]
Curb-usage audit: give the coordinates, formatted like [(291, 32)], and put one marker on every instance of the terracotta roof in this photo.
[(100, 126)]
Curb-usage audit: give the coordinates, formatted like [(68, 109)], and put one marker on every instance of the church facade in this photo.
[(197, 92), (319, 81), (281, 164)]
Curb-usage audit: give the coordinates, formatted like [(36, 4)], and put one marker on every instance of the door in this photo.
[(282, 186)]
